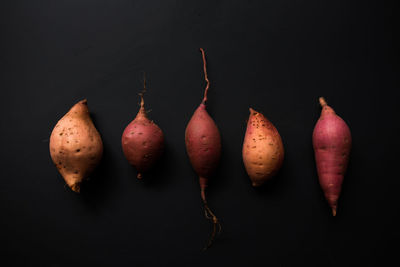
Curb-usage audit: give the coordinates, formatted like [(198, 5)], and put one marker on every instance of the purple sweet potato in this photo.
[(332, 144)]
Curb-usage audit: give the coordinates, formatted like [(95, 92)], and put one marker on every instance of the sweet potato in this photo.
[(332, 144), (75, 145), (263, 151), (203, 145), (142, 141)]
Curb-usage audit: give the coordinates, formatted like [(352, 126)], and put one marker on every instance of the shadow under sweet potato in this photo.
[(156, 177)]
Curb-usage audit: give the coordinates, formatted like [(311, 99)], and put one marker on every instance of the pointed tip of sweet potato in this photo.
[(76, 187), (334, 211), (252, 112)]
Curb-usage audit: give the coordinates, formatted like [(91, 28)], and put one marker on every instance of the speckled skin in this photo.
[(332, 145), (263, 151), (75, 145), (203, 143), (142, 142)]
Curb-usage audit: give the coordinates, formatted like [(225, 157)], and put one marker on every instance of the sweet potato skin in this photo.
[(142, 143), (75, 145), (332, 145), (263, 151), (203, 143)]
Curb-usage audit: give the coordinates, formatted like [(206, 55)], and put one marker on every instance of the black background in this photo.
[(275, 56)]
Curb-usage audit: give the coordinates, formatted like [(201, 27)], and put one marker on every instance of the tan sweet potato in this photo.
[(262, 149), (75, 145)]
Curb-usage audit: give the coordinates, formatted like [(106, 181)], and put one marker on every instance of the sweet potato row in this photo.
[(76, 148)]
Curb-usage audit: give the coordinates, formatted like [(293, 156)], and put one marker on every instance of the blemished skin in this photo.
[(76, 147), (142, 142), (332, 145), (263, 150), (203, 145)]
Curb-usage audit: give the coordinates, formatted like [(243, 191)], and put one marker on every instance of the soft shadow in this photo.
[(219, 179), (159, 176), (273, 185), (96, 189)]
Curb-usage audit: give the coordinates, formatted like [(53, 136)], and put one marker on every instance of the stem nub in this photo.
[(205, 76), (141, 94), (76, 187), (322, 102), (334, 211)]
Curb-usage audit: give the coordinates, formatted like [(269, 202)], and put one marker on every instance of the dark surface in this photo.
[(275, 56)]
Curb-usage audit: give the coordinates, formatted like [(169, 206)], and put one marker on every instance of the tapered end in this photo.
[(142, 112), (334, 211), (203, 185), (79, 109), (322, 102), (76, 187), (325, 108), (252, 111)]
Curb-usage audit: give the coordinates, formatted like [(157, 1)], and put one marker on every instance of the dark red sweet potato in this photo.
[(142, 141), (203, 145)]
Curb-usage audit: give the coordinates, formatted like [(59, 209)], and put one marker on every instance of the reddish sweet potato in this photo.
[(142, 141), (203, 145), (332, 144)]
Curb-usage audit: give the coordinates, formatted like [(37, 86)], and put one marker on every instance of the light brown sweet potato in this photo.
[(263, 151), (75, 145)]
